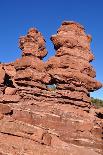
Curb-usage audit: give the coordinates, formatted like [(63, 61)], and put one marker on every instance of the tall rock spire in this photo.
[(33, 44), (70, 67)]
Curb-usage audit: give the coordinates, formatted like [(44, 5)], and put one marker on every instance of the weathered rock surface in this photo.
[(45, 107), (33, 44)]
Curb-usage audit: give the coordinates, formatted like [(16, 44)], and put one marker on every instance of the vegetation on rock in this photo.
[(97, 102)]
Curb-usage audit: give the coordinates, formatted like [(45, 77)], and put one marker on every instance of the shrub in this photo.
[(97, 102)]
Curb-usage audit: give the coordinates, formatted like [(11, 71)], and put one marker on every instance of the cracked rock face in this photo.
[(45, 107)]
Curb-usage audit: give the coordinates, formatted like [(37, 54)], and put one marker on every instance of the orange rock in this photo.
[(5, 109), (47, 139), (38, 135), (33, 44), (1, 116), (9, 98), (10, 91), (2, 74), (47, 105)]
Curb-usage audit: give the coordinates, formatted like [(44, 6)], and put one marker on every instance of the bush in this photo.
[(97, 102)]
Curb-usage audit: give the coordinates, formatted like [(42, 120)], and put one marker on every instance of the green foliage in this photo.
[(97, 102)]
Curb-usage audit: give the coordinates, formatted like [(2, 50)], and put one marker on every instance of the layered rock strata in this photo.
[(70, 67), (45, 107)]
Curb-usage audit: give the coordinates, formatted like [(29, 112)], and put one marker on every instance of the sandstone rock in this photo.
[(10, 91), (33, 44), (1, 90), (30, 84), (71, 63), (75, 52), (68, 75), (47, 139), (29, 62), (2, 75), (55, 141), (10, 70), (45, 107), (33, 74), (1, 116), (5, 109), (24, 116), (38, 135), (99, 112), (9, 98)]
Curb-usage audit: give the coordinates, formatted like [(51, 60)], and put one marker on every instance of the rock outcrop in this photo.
[(33, 44), (45, 107), (70, 67)]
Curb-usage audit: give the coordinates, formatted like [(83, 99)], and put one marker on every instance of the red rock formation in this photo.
[(70, 67), (45, 108), (33, 44)]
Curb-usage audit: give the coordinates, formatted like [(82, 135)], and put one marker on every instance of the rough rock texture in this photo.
[(45, 108), (33, 44)]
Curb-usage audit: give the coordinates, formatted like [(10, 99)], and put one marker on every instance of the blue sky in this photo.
[(17, 16)]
